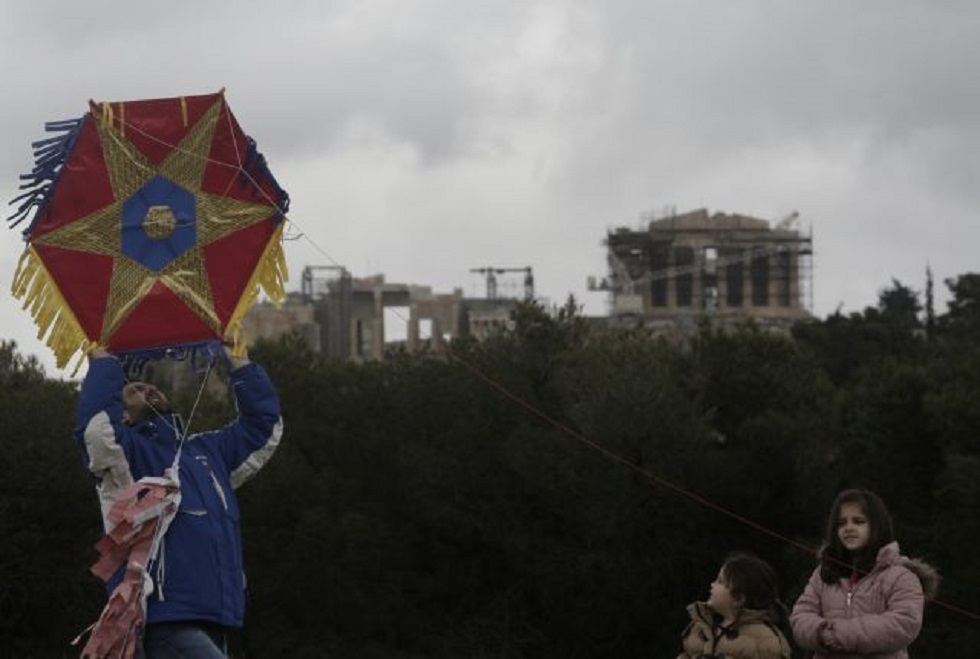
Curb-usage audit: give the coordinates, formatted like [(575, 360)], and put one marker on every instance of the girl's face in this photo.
[(722, 600), (853, 528)]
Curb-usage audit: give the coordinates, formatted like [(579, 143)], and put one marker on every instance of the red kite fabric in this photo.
[(156, 224)]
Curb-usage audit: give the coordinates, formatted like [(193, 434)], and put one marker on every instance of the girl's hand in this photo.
[(826, 636)]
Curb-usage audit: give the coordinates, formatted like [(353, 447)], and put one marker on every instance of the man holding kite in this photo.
[(194, 580), (153, 226)]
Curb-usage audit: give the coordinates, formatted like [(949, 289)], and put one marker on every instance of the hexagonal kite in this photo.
[(154, 224)]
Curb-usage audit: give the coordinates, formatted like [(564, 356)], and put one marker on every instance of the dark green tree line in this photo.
[(550, 492)]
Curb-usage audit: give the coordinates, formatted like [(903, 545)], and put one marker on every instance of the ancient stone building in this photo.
[(669, 275), (349, 318), (681, 268)]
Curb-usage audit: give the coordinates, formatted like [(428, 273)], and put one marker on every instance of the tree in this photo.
[(844, 345), (899, 305), (930, 304), (550, 492), (49, 517), (963, 315)]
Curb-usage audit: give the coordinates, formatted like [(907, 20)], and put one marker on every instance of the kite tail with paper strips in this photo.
[(136, 524)]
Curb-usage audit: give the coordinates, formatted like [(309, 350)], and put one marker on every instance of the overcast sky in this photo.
[(423, 139)]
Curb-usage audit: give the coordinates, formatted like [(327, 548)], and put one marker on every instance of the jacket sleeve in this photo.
[(893, 629), (247, 443), (99, 433), (773, 646), (807, 616)]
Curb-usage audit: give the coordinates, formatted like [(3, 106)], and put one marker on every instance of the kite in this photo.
[(153, 227)]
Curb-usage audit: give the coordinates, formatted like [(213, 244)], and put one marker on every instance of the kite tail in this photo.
[(270, 275), (34, 285), (138, 520), (49, 156), (120, 627)]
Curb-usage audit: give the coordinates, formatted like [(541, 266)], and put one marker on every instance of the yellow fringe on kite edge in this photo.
[(270, 275), (33, 284)]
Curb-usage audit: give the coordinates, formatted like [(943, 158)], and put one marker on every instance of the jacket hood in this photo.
[(928, 575)]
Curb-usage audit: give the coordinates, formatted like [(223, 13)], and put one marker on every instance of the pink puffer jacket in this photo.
[(877, 617)]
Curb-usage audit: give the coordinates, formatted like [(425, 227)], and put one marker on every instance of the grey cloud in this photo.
[(531, 127)]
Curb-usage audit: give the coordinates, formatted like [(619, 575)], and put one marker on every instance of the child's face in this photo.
[(853, 528), (721, 599)]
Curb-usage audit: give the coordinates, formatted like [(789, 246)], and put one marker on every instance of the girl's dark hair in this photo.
[(755, 581), (835, 560)]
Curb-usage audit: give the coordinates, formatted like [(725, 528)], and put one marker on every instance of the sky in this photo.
[(422, 139)]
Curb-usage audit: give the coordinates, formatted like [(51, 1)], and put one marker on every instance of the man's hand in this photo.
[(235, 361)]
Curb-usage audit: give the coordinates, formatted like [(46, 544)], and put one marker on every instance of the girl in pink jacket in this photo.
[(864, 599)]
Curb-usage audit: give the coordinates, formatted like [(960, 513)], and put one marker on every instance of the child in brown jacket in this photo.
[(741, 618)]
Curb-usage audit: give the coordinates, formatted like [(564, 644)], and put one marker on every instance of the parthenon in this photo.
[(729, 267)]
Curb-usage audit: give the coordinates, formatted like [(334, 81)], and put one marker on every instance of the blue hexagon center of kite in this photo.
[(158, 223)]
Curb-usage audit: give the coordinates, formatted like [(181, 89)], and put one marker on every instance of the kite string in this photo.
[(615, 457), (645, 473), (182, 432), (238, 167), (659, 480), (231, 131), (190, 417), (611, 455), (238, 158)]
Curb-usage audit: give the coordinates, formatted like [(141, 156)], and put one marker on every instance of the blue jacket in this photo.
[(198, 573)]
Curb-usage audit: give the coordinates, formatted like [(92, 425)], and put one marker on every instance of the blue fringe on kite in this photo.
[(50, 155), (201, 357), (258, 168)]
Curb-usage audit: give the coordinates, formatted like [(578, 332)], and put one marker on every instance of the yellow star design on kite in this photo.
[(100, 232)]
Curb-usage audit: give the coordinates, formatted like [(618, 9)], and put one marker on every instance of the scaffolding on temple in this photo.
[(729, 267)]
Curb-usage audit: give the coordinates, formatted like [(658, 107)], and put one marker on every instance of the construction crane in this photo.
[(490, 273)]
